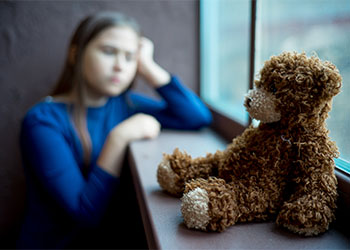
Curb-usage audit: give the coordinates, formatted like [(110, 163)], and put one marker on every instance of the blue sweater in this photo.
[(60, 200)]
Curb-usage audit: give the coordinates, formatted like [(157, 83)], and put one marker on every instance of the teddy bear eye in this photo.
[(272, 88)]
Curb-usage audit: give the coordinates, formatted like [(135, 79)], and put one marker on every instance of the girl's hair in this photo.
[(72, 76)]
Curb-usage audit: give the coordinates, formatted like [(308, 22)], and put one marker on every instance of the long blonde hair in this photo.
[(72, 76)]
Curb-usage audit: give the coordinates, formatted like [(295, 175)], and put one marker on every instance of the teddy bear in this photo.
[(282, 169)]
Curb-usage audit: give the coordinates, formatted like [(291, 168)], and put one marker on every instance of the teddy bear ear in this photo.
[(328, 80)]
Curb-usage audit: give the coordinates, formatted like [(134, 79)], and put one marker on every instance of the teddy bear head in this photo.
[(293, 85)]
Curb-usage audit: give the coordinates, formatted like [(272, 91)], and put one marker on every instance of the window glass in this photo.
[(316, 27), (224, 44)]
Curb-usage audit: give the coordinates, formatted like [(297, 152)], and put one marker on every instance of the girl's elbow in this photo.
[(205, 118), (201, 120), (208, 118)]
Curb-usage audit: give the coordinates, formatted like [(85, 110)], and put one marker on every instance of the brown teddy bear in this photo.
[(283, 169)]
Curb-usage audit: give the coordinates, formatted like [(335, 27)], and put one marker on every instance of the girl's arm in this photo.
[(180, 107), (49, 161), (48, 158), (139, 126)]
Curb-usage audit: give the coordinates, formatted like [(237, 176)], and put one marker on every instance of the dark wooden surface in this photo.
[(161, 213)]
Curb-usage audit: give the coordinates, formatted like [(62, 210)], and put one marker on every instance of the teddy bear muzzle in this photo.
[(260, 105)]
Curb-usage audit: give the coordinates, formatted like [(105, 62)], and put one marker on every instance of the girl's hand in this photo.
[(139, 126), (145, 55), (148, 68)]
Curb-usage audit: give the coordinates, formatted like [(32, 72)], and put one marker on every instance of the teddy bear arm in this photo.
[(179, 167), (310, 210)]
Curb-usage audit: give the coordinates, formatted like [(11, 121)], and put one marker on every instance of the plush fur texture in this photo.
[(283, 169)]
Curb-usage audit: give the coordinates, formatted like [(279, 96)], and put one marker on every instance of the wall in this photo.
[(33, 39)]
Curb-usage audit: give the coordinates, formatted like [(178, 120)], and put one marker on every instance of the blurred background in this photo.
[(34, 36)]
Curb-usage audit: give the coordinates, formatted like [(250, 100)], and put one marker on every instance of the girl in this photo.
[(73, 141)]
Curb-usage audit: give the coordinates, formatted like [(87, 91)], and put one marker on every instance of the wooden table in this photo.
[(161, 213)]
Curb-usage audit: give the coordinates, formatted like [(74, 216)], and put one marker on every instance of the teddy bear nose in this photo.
[(247, 102)]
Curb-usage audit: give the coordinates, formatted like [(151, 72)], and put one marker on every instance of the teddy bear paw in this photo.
[(166, 178), (195, 208)]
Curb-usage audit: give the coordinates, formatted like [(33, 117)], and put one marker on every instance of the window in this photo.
[(225, 55), (316, 27)]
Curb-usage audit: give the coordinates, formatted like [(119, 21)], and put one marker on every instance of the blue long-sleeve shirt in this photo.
[(60, 198)]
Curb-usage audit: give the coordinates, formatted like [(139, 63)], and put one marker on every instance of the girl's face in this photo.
[(110, 61)]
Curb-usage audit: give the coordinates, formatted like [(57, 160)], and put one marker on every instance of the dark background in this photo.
[(34, 36)]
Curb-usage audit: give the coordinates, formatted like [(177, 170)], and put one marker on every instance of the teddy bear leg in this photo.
[(308, 215), (209, 205), (177, 168)]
